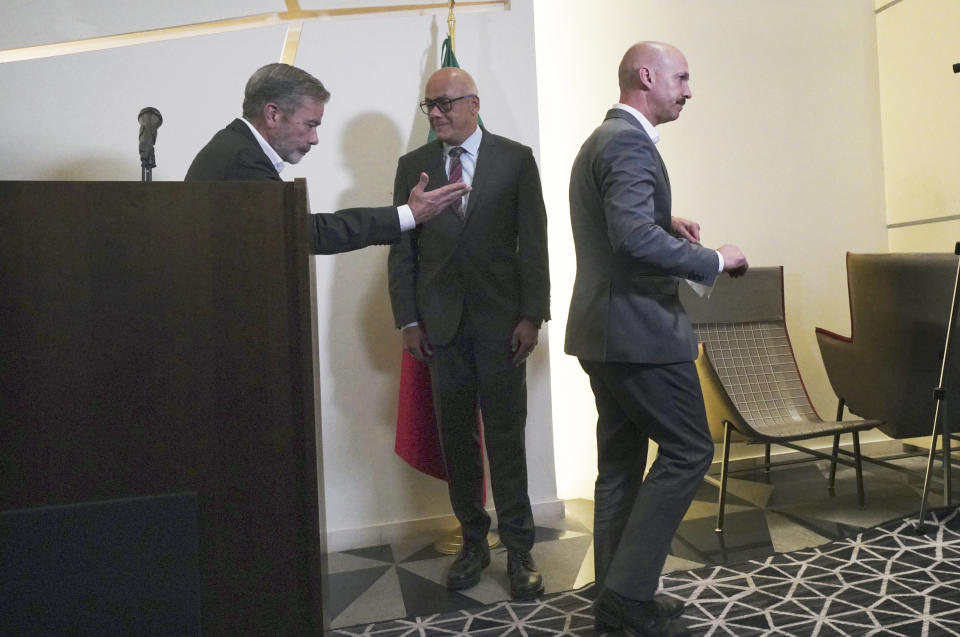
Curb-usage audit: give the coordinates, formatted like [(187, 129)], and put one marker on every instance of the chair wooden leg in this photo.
[(722, 501), (859, 465), (766, 459)]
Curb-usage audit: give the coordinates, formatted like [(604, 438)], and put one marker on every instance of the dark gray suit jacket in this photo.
[(625, 305), (494, 263), (235, 155)]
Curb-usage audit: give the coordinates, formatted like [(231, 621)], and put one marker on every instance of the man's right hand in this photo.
[(734, 263), (426, 204), (415, 341)]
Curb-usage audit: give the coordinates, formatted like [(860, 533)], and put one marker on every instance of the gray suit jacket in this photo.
[(494, 263), (625, 305)]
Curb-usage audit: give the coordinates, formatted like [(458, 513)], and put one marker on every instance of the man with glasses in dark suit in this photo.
[(470, 290)]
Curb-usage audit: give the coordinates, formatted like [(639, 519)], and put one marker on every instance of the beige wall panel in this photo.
[(917, 44), (33, 22), (779, 151), (928, 237)]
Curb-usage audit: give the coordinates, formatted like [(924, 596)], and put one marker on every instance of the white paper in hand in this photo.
[(703, 291)]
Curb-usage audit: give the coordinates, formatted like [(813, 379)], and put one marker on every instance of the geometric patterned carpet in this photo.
[(887, 580)]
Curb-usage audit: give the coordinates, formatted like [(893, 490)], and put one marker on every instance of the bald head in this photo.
[(452, 78), (452, 104), (654, 79), (652, 55)]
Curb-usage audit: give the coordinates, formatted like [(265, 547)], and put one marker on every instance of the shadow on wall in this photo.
[(429, 62), (363, 345), (94, 168)]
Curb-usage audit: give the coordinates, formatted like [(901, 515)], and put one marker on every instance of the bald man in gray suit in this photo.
[(632, 337)]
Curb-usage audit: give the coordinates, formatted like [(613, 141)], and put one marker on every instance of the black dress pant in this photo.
[(467, 372), (635, 518)]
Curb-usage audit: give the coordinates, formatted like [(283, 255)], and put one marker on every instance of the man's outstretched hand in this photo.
[(426, 204)]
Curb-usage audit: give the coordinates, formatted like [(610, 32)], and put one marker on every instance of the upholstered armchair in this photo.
[(890, 364)]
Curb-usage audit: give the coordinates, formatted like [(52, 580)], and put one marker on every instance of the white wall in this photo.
[(779, 152), (74, 117), (920, 96), (37, 22)]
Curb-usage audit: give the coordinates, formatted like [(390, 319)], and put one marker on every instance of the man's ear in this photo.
[(645, 76), (271, 114)]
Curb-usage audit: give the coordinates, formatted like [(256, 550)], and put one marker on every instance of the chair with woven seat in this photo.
[(751, 383), (890, 364)]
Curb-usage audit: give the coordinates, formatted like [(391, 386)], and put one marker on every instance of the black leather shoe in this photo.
[(613, 612), (525, 580), (606, 613), (669, 607), (465, 570)]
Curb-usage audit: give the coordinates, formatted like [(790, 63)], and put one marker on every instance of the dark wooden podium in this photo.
[(158, 420)]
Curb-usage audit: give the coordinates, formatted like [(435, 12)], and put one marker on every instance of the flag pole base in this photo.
[(452, 542)]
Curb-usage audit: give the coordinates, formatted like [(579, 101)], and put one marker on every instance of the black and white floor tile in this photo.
[(786, 510)]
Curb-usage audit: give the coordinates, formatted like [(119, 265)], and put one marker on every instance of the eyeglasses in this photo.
[(443, 103)]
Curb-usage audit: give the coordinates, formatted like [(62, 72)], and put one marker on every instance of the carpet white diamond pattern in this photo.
[(888, 580)]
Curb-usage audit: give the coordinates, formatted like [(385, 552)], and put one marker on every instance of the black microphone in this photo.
[(956, 67), (149, 120)]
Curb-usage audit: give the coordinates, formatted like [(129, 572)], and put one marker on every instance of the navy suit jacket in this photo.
[(235, 155)]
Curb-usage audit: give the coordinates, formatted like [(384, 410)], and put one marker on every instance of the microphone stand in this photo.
[(147, 164), (940, 395)]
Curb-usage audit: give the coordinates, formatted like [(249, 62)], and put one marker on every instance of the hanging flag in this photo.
[(418, 440)]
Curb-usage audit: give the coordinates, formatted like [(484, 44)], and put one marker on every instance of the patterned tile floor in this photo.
[(787, 510)]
